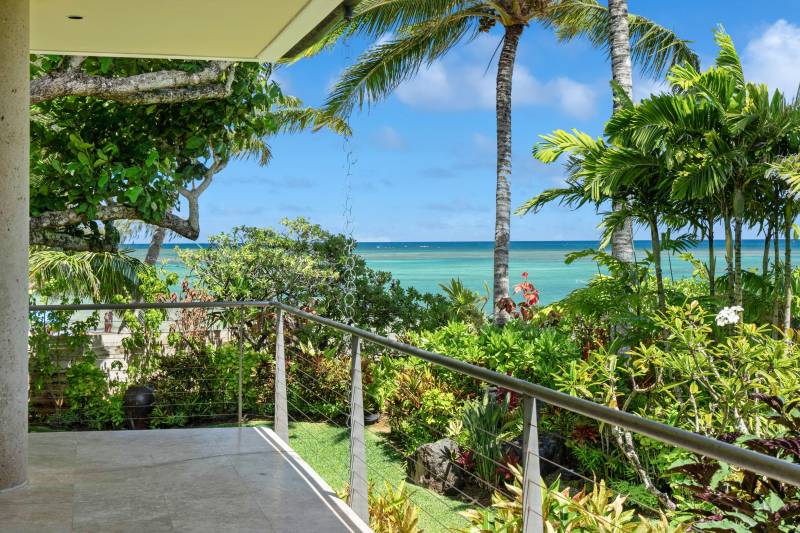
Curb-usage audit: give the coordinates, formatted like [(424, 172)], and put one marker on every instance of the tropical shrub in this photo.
[(392, 510), (698, 375), (92, 400), (586, 511), (487, 424), (727, 499), (421, 406), (199, 384), (302, 264), (519, 348), (465, 305)]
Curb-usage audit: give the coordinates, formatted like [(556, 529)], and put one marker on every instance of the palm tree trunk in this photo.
[(712, 259), (155, 246), (765, 256), (656, 243), (776, 257), (787, 273), (622, 73), (737, 254), (502, 229), (726, 221)]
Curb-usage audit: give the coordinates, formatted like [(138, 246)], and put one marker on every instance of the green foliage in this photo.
[(392, 510), (488, 423), (587, 511), (715, 150), (60, 353), (738, 501), (304, 265), (421, 406), (199, 384), (95, 276), (520, 349), (465, 304), (91, 397)]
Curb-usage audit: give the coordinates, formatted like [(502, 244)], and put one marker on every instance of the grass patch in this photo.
[(326, 449)]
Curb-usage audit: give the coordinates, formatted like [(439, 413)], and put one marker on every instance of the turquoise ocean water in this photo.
[(424, 265)]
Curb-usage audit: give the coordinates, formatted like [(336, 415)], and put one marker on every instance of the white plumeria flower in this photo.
[(729, 315)]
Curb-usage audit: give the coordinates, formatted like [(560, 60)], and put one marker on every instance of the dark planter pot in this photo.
[(371, 418), (138, 405)]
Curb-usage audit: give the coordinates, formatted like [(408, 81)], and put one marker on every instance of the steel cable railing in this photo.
[(765, 465)]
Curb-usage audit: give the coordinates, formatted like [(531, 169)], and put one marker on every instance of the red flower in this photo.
[(524, 275)]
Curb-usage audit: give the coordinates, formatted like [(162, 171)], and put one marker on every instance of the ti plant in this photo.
[(587, 511), (729, 500)]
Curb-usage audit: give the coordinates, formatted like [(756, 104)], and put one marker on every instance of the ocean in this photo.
[(424, 265)]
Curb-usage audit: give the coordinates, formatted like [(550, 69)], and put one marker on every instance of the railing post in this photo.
[(359, 488), (241, 357), (532, 520), (281, 409)]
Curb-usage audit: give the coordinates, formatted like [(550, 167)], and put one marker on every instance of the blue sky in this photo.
[(424, 158)]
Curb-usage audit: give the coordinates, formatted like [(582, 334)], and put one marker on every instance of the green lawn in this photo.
[(326, 449)]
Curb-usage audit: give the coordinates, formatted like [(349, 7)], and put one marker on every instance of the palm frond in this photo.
[(383, 67), (379, 18), (296, 119), (557, 143), (94, 276), (728, 58), (654, 48)]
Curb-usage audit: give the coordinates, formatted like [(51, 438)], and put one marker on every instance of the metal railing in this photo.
[(765, 465)]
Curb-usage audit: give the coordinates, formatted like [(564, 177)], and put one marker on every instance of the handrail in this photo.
[(759, 463)]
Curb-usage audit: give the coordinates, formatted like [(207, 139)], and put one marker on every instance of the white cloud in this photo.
[(774, 57), (458, 85), (644, 87), (575, 98), (389, 139)]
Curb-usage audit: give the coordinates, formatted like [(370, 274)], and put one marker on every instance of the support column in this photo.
[(14, 163)]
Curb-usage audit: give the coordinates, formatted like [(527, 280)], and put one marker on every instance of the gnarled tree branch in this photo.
[(56, 220), (164, 86), (48, 228)]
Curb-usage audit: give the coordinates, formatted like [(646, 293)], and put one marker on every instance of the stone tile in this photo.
[(161, 524), (226, 479), (201, 478), (220, 513), (115, 509), (55, 517), (39, 493)]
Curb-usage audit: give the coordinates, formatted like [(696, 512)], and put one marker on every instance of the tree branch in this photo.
[(55, 220), (71, 243), (46, 228), (152, 87)]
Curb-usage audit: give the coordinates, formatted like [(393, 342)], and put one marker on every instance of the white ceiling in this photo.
[(245, 30)]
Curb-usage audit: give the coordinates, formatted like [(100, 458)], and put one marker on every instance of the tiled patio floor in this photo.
[(193, 480)]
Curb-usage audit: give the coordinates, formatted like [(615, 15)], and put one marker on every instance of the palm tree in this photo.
[(422, 32), (718, 149), (655, 51)]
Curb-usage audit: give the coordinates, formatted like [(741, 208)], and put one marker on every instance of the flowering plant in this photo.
[(529, 293), (729, 315)]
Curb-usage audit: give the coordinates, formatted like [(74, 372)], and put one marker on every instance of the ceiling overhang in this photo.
[(237, 30)]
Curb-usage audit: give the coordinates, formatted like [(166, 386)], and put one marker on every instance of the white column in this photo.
[(14, 139)]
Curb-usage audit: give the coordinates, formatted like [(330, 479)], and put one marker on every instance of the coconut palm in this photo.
[(612, 29), (421, 32)]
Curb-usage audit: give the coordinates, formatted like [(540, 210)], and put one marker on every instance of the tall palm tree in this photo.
[(422, 32), (654, 49)]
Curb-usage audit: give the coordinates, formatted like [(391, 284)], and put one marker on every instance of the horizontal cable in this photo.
[(766, 465)]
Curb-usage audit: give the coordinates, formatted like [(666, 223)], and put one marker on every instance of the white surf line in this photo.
[(306, 472)]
